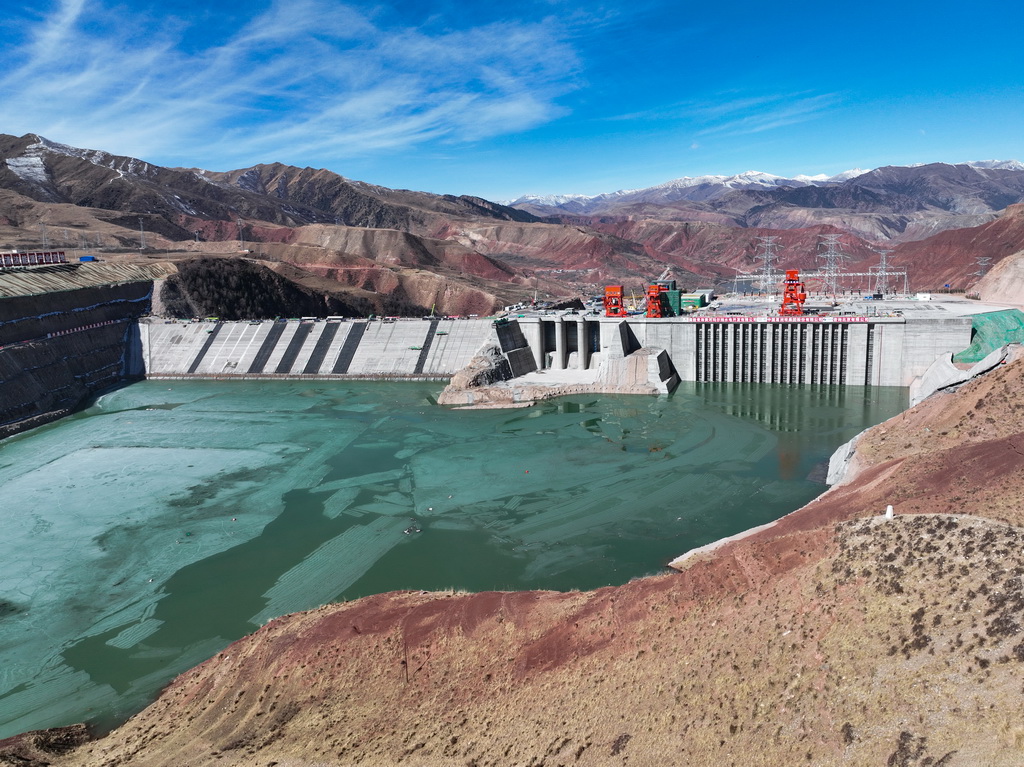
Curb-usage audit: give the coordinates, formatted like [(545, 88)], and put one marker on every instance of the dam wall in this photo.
[(841, 350), (57, 349), (404, 348), (68, 333)]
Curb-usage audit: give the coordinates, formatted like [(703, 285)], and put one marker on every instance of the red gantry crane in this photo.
[(613, 301), (793, 295)]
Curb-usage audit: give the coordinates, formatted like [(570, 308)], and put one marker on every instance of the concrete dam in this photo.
[(68, 332)]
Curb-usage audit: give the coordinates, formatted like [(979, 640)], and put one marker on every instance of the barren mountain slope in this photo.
[(62, 196), (951, 257), (280, 194), (834, 637), (713, 249), (356, 203), (1005, 282)]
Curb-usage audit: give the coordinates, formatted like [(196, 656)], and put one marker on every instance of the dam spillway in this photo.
[(854, 350), (430, 348)]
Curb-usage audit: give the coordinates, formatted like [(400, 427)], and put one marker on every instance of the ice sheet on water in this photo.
[(363, 479), (332, 568), (132, 635), (356, 407), (70, 504), (54, 697), (551, 562), (83, 554), (339, 501), (391, 504)]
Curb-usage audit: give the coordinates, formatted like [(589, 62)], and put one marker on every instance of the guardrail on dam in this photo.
[(408, 348)]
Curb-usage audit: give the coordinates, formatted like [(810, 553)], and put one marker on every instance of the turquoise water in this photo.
[(147, 532)]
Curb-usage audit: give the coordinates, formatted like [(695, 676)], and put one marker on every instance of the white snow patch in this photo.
[(546, 199), (29, 169), (846, 175)]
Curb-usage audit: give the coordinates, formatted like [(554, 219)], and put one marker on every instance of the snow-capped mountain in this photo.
[(692, 188), (711, 188), (997, 164)]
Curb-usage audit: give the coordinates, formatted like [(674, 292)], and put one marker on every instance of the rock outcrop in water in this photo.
[(834, 637)]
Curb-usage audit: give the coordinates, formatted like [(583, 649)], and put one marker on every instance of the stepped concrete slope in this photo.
[(435, 348), (32, 281)]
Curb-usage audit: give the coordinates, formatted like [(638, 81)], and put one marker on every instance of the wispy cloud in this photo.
[(303, 78), (741, 116), (734, 115)]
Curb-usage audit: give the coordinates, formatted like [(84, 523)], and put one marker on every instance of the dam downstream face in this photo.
[(171, 518)]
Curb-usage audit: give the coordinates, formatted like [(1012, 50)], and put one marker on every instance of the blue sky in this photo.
[(501, 99)]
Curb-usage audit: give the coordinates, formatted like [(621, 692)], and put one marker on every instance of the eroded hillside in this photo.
[(463, 254)]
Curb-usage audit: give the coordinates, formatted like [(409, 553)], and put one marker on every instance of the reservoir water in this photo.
[(144, 534)]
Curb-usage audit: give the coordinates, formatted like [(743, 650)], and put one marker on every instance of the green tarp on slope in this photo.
[(990, 332)]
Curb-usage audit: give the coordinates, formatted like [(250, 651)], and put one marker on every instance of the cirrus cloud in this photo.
[(300, 79)]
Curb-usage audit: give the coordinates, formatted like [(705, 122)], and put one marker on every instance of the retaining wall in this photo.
[(59, 349)]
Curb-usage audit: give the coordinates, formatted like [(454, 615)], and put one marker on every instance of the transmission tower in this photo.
[(831, 269), (983, 263), (142, 236), (770, 278), (882, 272)]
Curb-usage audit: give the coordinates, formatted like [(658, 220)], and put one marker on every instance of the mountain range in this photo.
[(709, 186), (464, 254), (891, 203)]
